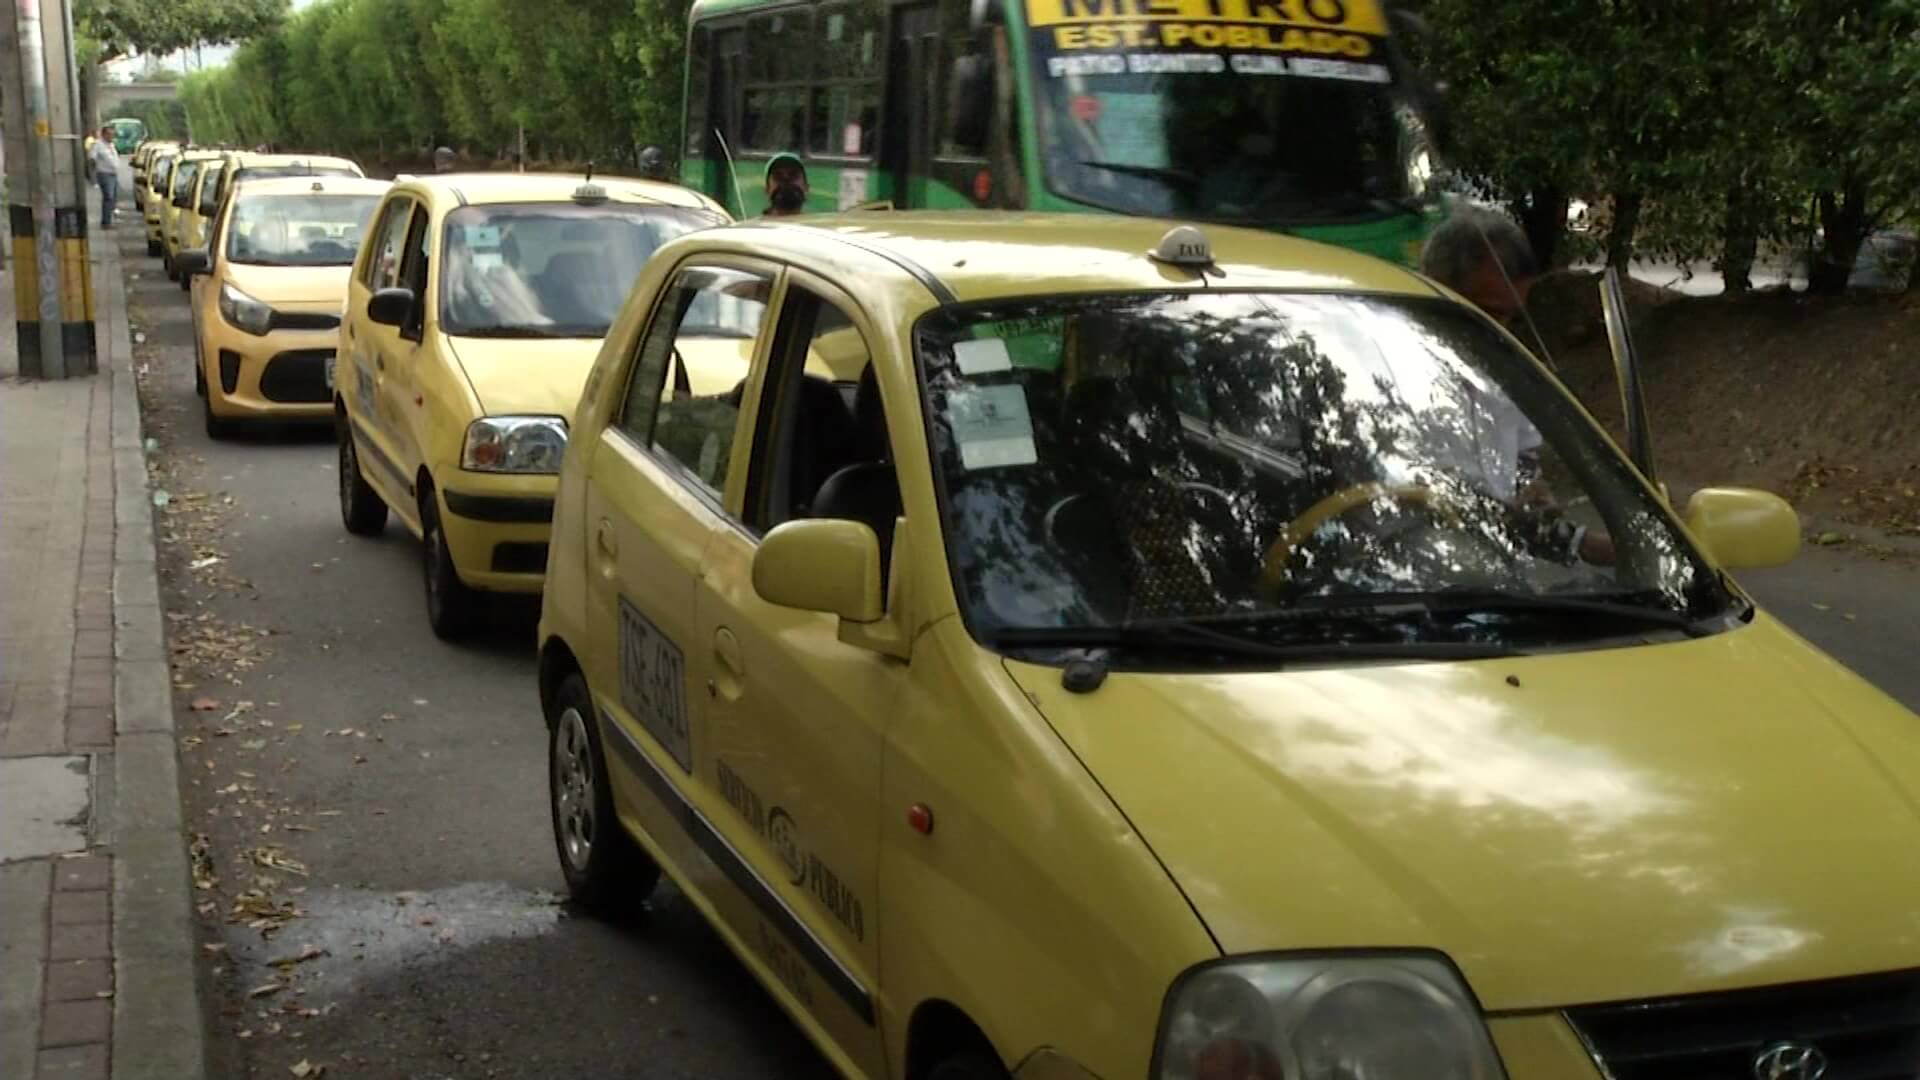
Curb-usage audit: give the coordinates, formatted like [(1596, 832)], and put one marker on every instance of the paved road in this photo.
[(405, 777), (430, 871)]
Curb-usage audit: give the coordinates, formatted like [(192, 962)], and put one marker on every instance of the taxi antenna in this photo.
[(726, 156), (1518, 300), (589, 171)]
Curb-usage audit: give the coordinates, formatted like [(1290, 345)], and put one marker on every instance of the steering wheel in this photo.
[(1273, 569)]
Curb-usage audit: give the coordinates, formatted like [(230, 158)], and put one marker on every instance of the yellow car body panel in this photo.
[(408, 404), (173, 217), (153, 202), (1568, 827), (317, 292)]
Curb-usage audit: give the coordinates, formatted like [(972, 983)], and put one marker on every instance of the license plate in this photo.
[(330, 361)]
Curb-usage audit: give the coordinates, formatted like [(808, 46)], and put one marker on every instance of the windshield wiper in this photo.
[(1148, 172), (528, 332), (1193, 637), (1472, 600)]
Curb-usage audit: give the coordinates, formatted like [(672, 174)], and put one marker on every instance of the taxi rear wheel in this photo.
[(451, 604), (154, 248), (605, 870), (362, 510)]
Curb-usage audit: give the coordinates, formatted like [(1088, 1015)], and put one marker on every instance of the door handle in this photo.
[(729, 668), (606, 544), (380, 362)]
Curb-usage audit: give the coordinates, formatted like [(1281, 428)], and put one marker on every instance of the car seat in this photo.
[(868, 490)]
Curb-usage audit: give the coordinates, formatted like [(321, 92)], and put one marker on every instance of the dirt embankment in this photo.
[(1817, 399)]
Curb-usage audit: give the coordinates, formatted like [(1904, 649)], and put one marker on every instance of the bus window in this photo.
[(699, 86), (773, 116), (846, 93)]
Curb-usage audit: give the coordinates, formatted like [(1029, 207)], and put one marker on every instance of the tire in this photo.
[(167, 262), (218, 428), (452, 606), (361, 509), (970, 1065), (154, 248), (199, 377), (606, 872)]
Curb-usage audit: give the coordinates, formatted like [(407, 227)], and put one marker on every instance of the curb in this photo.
[(157, 1022)]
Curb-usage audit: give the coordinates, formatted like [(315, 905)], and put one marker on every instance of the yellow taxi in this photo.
[(142, 157), (474, 311), (267, 295), (153, 193), (195, 220), (239, 166), (1197, 655), (182, 190)]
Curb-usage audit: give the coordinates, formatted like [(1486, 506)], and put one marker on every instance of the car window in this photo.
[(383, 262), (549, 269), (1264, 461), (413, 270), (297, 230), (183, 178), (820, 423), (210, 188), (684, 397)]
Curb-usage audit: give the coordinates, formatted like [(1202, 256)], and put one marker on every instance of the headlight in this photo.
[(1365, 1017), (515, 444), (244, 311)]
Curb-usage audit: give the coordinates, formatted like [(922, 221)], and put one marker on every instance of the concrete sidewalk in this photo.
[(96, 937)]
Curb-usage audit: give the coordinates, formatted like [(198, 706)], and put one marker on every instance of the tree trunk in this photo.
[(1544, 218), (1843, 220), (1626, 219), (1740, 241)]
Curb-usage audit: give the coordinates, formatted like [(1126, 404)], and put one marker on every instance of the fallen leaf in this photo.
[(205, 704), (254, 744), (1817, 606), (266, 989), (1830, 538), (304, 1069), (311, 952)]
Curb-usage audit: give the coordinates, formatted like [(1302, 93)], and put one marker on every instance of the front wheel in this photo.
[(154, 248), (605, 870), (217, 427), (452, 605), (972, 1065), (361, 509)]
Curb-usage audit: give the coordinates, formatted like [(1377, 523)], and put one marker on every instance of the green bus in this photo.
[(128, 133), (1293, 115)]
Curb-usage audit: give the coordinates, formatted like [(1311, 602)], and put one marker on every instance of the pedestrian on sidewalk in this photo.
[(106, 173), (445, 160)]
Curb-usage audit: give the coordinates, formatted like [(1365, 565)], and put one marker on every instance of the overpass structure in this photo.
[(109, 96)]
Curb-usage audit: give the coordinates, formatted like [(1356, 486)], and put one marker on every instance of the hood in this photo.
[(322, 288), (531, 376), (1579, 827)]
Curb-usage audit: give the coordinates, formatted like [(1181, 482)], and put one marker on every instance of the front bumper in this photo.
[(281, 376), (497, 527)]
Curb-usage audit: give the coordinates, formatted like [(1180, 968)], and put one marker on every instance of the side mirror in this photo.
[(821, 564), (193, 261), (1743, 529), (390, 306)]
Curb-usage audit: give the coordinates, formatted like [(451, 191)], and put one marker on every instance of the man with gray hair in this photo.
[(1484, 257), (444, 160)]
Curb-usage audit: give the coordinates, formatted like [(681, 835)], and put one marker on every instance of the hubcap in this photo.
[(573, 788)]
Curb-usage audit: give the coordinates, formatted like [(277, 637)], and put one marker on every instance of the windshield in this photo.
[(1183, 113), (264, 172), (298, 230), (1275, 460), (549, 269)]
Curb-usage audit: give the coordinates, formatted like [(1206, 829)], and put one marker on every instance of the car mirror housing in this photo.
[(391, 306), (821, 565), (1744, 529), (193, 261)]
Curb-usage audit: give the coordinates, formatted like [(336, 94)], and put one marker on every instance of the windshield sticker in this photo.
[(481, 236), (1033, 344), (982, 356), (992, 427)]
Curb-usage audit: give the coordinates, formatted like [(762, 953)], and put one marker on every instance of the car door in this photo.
[(366, 345), (400, 354), (795, 716)]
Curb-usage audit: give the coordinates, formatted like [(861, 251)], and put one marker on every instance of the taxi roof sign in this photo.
[(589, 192), (1184, 245)]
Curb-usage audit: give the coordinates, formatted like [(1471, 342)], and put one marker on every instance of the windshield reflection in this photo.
[(1292, 467)]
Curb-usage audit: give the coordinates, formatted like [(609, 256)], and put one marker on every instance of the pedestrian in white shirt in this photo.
[(106, 173)]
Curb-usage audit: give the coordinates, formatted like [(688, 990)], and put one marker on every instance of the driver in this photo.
[(1486, 258)]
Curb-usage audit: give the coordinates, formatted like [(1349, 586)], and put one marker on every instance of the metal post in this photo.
[(54, 300)]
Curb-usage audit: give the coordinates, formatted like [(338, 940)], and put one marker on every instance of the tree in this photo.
[(164, 26)]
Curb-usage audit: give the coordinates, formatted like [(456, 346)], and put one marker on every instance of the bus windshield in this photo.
[(1188, 108)]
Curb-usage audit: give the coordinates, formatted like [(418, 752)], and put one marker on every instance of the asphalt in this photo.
[(416, 849), (390, 790)]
